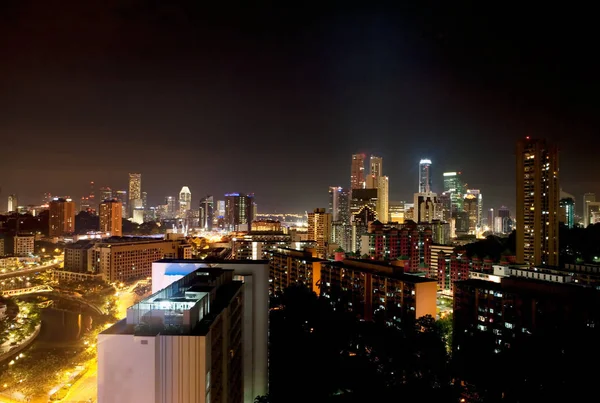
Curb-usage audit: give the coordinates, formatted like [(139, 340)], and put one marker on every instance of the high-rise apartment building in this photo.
[(206, 213), (454, 186), (184, 344), (238, 211), (121, 195), (111, 216), (357, 172), (185, 201), (587, 199), (23, 244), (537, 202), (319, 230), (62, 217), (135, 192), (425, 176), (255, 276), (13, 204)]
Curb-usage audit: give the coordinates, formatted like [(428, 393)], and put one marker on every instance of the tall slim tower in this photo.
[(185, 201), (357, 173), (62, 217), (135, 192), (121, 195), (111, 217), (206, 213), (375, 173), (319, 230), (239, 211), (587, 199), (425, 176), (383, 183), (537, 202), (13, 204)]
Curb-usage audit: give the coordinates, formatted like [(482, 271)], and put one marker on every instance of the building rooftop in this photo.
[(213, 261), (186, 307)]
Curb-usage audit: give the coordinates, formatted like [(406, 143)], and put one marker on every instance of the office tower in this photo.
[(537, 202), (339, 204), (454, 186), (13, 204), (425, 207), (206, 213), (587, 198), (105, 194), (238, 211), (372, 180), (62, 217), (383, 199), (319, 230), (396, 212), (444, 207), (505, 224), (425, 176), (471, 207), (138, 215), (111, 216), (121, 195), (171, 206), (357, 173), (47, 198), (135, 192), (144, 200), (185, 201), (221, 208), (255, 275), (567, 212), (479, 197), (490, 219), (503, 212)]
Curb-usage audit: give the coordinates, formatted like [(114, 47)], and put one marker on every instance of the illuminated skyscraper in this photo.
[(425, 207), (479, 204), (537, 202), (185, 201), (383, 183), (339, 204), (454, 186), (144, 200), (62, 217), (587, 199), (319, 230), (13, 204), (135, 192), (121, 195), (238, 211), (206, 213), (425, 176), (111, 217), (357, 174), (372, 180), (567, 212)]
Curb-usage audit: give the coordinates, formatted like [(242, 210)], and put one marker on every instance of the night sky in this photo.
[(274, 100)]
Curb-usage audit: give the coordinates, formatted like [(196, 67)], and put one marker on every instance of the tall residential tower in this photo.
[(357, 173), (537, 202)]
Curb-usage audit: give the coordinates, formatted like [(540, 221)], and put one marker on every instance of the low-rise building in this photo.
[(124, 258), (78, 256), (24, 244), (257, 245)]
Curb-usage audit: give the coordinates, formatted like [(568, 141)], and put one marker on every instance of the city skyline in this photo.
[(398, 83)]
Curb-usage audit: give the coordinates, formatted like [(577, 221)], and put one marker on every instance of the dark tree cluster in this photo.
[(579, 245), (320, 354), (492, 246)]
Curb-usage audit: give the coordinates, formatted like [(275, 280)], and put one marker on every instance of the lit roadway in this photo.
[(20, 272), (85, 388)]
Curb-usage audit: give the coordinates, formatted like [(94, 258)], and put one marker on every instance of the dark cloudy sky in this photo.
[(275, 99)]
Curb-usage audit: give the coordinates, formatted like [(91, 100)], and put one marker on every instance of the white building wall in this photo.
[(127, 369)]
